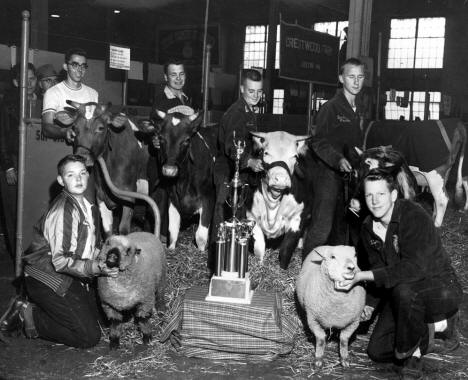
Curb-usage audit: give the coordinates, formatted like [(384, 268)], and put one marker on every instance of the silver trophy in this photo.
[(230, 282)]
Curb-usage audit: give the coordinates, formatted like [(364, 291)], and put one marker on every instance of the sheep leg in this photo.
[(145, 328), (160, 303), (345, 334), (320, 336), (114, 334)]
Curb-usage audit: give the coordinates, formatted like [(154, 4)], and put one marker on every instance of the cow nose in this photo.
[(169, 170)]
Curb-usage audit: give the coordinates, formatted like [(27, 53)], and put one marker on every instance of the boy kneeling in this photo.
[(60, 265)]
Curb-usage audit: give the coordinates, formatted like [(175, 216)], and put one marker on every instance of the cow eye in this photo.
[(100, 128)]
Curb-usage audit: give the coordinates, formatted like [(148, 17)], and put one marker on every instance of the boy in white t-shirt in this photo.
[(71, 88)]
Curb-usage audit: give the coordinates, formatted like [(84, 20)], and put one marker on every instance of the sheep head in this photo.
[(336, 261), (119, 252)]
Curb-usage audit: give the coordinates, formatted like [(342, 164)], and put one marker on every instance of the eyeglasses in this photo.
[(76, 65)]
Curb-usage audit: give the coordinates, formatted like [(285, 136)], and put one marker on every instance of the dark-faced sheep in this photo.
[(325, 306), (141, 281)]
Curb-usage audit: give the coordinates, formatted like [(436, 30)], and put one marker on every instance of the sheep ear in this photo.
[(319, 254)]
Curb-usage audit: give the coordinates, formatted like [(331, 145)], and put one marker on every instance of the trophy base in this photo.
[(230, 290)]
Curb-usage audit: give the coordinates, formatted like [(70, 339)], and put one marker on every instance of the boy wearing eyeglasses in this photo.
[(72, 88)]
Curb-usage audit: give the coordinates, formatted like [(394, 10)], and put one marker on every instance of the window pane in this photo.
[(403, 28), (431, 27), (278, 100)]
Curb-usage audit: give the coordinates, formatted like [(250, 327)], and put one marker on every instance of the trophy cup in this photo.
[(230, 282)]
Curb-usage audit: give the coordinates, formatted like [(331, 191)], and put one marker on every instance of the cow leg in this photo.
[(289, 243), (437, 187), (174, 225), (126, 220), (201, 235), (107, 218), (465, 187), (259, 242)]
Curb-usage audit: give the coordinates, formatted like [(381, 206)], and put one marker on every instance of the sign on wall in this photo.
[(186, 43), (119, 57), (307, 55)]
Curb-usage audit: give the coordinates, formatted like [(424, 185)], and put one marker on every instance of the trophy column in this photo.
[(231, 282)]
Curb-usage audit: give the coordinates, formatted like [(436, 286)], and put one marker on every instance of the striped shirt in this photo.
[(64, 244)]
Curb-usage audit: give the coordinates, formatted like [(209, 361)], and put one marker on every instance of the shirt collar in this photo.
[(170, 95)]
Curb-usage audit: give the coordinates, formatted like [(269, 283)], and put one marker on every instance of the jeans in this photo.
[(71, 319), (402, 324)]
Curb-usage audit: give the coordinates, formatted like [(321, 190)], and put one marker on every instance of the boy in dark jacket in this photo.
[(413, 276)]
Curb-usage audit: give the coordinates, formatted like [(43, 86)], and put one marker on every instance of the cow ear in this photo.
[(66, 117), (74, 104), (196, 120), (319, 254)]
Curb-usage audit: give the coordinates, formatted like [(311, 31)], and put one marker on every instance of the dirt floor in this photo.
[(38, 359)]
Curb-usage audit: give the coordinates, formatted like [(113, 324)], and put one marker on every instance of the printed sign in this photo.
[(119, 57), (307, 55), (186, 44)]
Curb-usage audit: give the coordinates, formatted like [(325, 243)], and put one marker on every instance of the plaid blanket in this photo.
[(215, 330)]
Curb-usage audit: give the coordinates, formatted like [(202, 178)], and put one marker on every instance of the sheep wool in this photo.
[(141, 280), (325, 306)]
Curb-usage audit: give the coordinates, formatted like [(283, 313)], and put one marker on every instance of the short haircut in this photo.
[(172, 61), (75, 51), (67, 159), (251, 74), (381, 175), (351, 61), (16, 71)]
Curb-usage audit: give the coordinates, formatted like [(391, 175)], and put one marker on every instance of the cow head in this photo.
[(175, 132), (90, 124), (391, 161), (279, 152)]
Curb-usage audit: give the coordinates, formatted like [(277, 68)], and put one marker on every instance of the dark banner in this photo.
[(307, 55), (186, 43)]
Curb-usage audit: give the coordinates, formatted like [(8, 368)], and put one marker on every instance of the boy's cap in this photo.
[(46, 71)]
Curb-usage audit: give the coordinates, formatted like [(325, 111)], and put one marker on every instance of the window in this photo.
[(416, 43), (278, 100), (335, 28), (393, 111), (256, 46)]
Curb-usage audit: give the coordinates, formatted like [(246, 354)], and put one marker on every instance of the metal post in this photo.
[(205, 35), (379, 59), (124, 88), (22, 141), (206, 78), (309, 108)]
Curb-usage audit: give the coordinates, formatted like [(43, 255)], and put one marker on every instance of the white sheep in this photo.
[(141, 260), (325, 306)]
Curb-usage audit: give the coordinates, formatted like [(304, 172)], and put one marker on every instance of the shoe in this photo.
[(11, 320), (450, 336), (412, 369), (19, 317)]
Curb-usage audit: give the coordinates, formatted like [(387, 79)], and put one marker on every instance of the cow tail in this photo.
[(406, 185), (461, 153)]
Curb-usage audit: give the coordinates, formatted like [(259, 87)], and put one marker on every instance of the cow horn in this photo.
[(302, 138), (161, 114), (193, 117), (358, 151), (260, 135)]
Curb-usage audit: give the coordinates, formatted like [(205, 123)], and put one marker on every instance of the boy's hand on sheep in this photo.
[(100, 269), (366, 313)]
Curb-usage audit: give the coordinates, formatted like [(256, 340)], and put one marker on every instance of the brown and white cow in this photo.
[(187, 154), (280, 204), (126, 159), (430, 148)]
